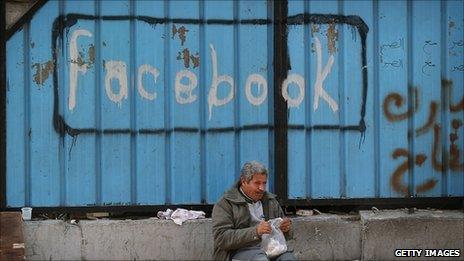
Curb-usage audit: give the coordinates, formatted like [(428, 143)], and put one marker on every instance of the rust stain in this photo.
[(42, 71), (332, 38), (430, 121), (398, 100), (182, 31)]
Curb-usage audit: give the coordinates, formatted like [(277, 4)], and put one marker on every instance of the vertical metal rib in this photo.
[(281, 67), (98, 102), (375, 32), (167, 105), (133, 105)]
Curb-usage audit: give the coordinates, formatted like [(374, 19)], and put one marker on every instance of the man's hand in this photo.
[(263, 228), (286, 225)]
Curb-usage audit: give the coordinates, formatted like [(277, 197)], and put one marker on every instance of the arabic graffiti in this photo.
[(427, 49), (451, 157), (388, 47)]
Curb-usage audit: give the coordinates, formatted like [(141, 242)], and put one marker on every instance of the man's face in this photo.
[(256, 187)]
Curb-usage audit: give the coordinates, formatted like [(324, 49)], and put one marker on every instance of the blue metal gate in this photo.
[(161, 102)]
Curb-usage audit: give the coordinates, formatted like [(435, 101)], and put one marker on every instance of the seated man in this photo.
[(239, 217)]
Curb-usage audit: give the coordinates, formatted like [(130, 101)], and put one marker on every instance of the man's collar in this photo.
[(247, 198)]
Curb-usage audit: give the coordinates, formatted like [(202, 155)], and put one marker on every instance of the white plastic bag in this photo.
[(180, 215), (274, 243)]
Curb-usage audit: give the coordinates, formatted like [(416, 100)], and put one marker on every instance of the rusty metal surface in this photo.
[(11, 236)]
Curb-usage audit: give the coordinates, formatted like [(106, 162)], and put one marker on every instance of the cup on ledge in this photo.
[(26, 213)]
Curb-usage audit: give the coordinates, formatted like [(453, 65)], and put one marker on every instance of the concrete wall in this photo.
[(118, 239), (327, 237), (323, 237), (384, 233)]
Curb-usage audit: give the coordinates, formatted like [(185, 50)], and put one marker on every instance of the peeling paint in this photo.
[(182, 31), (32, 44), (195, 60), (187, 58), (184, 55), (314, 29), (43, 71), (332, 38), (80, 60)]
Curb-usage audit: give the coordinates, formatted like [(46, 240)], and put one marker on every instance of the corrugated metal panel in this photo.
[(151, 103), (413, 107), (144, 105)]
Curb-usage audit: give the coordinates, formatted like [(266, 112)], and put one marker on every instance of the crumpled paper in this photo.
[(180, 215)]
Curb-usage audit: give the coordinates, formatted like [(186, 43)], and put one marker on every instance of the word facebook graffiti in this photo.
[(186, 81)]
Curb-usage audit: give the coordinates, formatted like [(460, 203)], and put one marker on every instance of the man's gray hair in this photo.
[(251, 168)]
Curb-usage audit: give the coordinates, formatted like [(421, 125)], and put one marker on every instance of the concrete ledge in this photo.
[(147, 239), (52, 240), (118, 240), (327, 237), (386, 231), (323, 237)]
